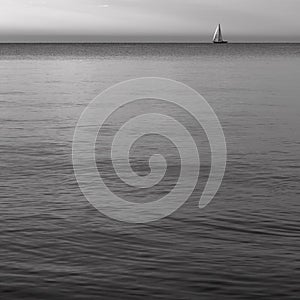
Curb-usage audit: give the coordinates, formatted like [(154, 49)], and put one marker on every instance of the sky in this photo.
[(148, 20)]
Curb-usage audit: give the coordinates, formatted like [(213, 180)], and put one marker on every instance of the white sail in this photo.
[(216, 35), (217, 38), (220, 34)]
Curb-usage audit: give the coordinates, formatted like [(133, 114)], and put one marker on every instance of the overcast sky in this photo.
[(148, 20)]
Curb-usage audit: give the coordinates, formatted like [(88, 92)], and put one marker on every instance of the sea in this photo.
[(244, 245)]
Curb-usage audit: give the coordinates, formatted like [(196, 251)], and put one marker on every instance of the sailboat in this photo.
[(218, 39)]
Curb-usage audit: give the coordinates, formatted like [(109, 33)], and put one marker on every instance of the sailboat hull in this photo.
[(222, 42)]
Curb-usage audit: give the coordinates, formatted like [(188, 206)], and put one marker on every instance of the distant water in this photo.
[(244, 245)]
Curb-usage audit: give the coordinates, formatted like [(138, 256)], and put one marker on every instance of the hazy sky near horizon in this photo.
[(148, 20)]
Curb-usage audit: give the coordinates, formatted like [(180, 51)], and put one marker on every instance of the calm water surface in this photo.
[(244, 245)]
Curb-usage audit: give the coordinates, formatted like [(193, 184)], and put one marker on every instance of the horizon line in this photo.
[(144, 42)]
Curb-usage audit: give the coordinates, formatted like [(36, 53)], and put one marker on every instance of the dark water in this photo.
[(244, 245)]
